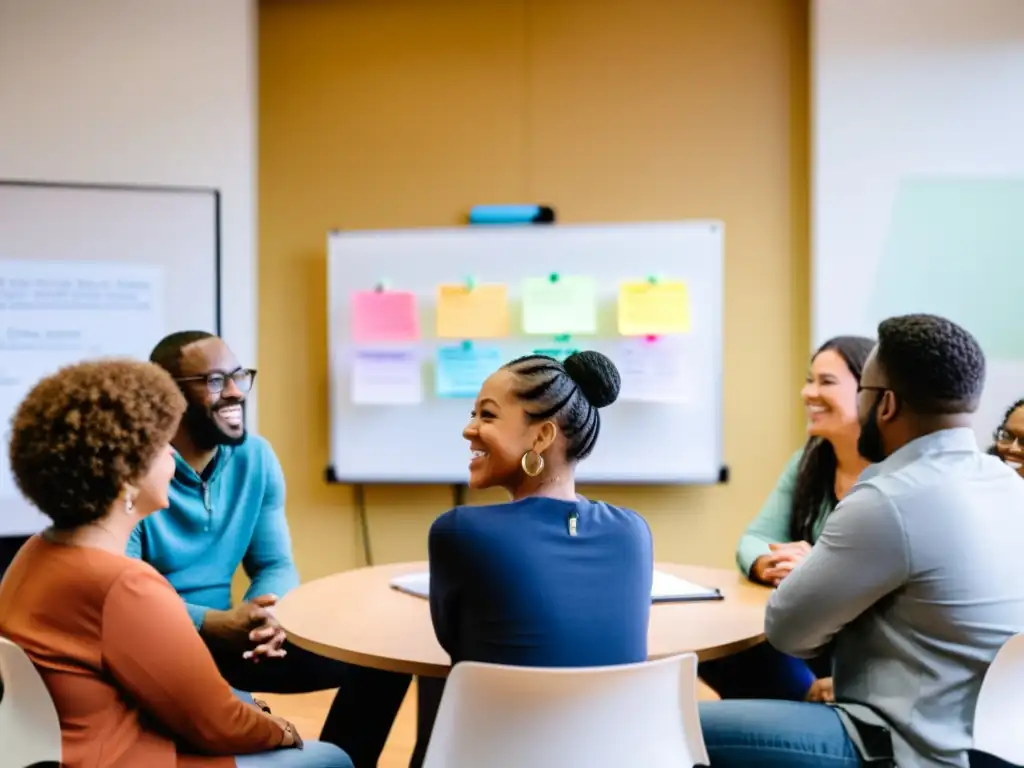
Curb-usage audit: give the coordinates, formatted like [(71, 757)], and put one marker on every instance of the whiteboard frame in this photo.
[(333, 476), (9, 538)]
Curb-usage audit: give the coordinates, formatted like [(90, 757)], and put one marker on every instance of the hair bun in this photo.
[(595, 375)]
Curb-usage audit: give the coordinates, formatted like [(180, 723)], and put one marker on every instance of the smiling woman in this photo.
[(549, 578), (1008, 440), (793, 516)]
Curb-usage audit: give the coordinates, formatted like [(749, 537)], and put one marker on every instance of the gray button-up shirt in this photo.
[(917, 579)]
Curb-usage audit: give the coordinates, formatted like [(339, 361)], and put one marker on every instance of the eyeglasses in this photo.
[(216, 380), (1006, 438)]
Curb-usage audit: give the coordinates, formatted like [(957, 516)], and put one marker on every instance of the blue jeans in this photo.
[(315, 754), (762, 672), (775, 734), (363, 710)]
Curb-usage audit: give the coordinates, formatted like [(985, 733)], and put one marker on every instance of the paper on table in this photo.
[(461, 370), (654, 370), (665, 587), (386, 377), (384, 316), (560, 304), (472, 312), (654, 308)]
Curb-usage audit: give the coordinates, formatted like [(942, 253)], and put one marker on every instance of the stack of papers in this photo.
[(665, 588)]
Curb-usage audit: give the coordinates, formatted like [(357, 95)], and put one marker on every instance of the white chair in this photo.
[(29, 727), (604, 717), (1000, 710)]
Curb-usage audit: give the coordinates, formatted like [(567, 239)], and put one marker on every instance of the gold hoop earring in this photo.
[(532, 467)]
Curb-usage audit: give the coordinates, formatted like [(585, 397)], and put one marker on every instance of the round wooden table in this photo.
[(356, 616)]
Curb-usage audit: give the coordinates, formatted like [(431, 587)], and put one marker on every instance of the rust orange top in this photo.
[(133, 683)]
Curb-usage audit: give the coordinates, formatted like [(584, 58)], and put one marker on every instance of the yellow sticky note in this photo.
[(652, 309), (559, 304), (472, 312)]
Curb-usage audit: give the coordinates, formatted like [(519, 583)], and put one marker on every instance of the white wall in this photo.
[(143, 92), (918, 172)]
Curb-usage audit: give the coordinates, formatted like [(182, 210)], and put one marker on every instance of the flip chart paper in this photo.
[(654, 371), (477, 312), (654, 308), (461, 370), (386, 377), (566, 304), (54, 313), (384, 316)]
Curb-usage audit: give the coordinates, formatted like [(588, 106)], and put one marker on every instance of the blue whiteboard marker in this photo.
[(512, 214)]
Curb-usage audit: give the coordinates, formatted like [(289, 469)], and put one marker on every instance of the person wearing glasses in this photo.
[(1008, 440), (227, 508)]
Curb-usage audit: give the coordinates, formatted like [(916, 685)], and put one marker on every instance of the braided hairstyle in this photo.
[(569, 394)]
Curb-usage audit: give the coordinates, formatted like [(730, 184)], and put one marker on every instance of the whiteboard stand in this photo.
[(359, 500), (359, 493)]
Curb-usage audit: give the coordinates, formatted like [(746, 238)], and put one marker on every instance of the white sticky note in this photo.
[(654, 370), (386, 376)]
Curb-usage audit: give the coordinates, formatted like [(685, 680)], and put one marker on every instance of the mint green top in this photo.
[(771, 526)]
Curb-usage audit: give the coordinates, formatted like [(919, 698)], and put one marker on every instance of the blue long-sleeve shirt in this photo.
[(509, 584), (233, 515)]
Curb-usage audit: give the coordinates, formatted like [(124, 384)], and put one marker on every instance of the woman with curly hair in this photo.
[(1008, 440), (132, 682)]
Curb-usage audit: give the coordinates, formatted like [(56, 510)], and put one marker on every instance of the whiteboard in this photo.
[(89, 271), (640, 442)]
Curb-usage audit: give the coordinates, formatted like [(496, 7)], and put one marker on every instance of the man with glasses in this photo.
[(915, 577), (227, 509)]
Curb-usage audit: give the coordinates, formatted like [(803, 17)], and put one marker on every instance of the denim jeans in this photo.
[(762, 672), (315, 754), (363, 710), (775, 734)]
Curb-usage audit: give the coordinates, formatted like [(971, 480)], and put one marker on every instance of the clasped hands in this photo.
[(773, 568), (250, 625)]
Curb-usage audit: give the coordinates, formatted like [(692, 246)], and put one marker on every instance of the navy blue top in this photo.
[(510, 585)]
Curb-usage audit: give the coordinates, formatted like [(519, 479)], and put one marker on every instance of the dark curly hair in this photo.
[(816, 475), (933, 365), (1002, 425), (569, 393), (82, 434)]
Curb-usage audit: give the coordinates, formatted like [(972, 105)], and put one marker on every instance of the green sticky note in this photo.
[(559, 353), (567, 305)]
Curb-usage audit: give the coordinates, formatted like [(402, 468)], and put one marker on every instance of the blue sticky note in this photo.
[(461, 370)]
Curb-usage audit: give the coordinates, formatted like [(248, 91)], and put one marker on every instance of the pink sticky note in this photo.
[(384, 316)]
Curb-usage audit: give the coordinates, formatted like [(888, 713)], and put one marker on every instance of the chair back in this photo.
[(1000, 709), (29, 726), (600, 717)]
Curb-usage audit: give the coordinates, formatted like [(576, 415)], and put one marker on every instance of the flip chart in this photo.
[(653, 308), (382, 315), (560, 304), (472, 311)]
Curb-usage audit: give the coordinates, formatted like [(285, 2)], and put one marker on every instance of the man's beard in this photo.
[(204, 431), (869, 444)]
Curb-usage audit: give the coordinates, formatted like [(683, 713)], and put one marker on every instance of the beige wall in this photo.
[(388, 113)]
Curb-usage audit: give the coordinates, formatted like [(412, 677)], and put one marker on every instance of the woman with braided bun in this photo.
[(549, 578)]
